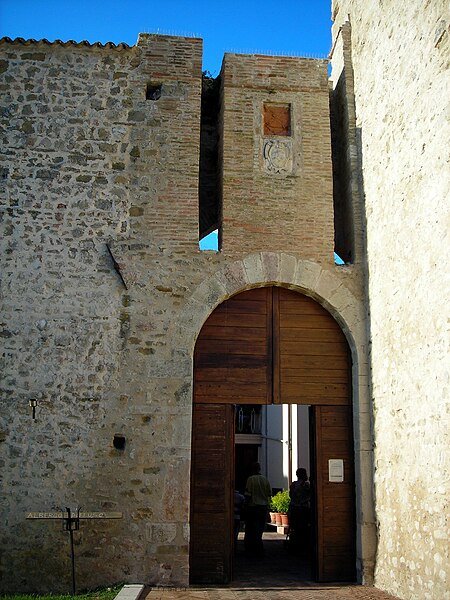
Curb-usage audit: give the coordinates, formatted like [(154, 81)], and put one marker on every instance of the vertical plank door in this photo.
[(211, 523), (311, 355), (263, 346), (335, 502), (233, 353)]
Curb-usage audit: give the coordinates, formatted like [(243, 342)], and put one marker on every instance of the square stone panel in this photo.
[(277, 119)]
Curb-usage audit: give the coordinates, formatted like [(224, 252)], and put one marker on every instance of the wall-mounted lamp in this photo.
[(33, 403)]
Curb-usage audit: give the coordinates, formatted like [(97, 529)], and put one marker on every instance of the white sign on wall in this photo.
[(336, 470)]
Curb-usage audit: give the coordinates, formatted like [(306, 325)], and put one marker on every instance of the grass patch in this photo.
[(100, 594)]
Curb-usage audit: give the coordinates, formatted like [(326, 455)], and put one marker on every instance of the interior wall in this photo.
[(303, 452), (273, 447)]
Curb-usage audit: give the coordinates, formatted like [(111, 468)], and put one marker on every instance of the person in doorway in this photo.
[(299, 512), (257, 495)]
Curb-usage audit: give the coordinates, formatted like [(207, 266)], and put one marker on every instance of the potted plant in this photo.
[(281, 502), (272, 512)]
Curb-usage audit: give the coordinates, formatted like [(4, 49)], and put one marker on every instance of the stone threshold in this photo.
[(130, 592)]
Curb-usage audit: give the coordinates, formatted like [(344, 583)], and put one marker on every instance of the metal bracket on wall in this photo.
[(117, 267)]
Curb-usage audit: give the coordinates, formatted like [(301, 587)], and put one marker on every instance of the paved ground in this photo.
[(321, 593), (278, 576)]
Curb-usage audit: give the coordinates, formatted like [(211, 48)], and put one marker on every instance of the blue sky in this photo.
[(299, 27)]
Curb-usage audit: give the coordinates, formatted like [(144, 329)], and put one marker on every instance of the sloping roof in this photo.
[(85, 43)]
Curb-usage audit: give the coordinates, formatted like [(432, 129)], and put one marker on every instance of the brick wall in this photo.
[(273, 210), (166, 132)]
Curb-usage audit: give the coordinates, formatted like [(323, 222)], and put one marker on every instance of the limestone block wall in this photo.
[(400, 54), (65, 148), (88, 160), (102, 147), (276, 187)]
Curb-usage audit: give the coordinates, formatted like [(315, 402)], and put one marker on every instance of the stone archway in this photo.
[(328, 287), (271, 345)]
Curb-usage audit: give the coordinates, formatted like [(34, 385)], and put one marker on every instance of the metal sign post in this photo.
[(71, 523)]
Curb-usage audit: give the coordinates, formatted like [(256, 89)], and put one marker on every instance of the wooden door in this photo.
[(263, 346), (335, 501), (233, 354), (212, 518), (311, 355)]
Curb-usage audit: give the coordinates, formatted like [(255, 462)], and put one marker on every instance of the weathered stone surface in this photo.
[(396, 57), (105, 343)]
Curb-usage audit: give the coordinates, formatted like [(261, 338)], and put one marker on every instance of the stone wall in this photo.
[(399, 55), (80, 136), (102, 150), (64, 196)]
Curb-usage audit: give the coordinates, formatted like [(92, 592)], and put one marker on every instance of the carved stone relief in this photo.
[(277, 157)]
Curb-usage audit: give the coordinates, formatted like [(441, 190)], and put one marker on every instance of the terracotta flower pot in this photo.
[(278, 519), (273, 517), (284, 519)]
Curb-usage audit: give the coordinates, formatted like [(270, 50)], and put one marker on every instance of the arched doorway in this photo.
[(271, 346)]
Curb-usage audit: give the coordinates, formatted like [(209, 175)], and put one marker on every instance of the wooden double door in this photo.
[(271, 346)]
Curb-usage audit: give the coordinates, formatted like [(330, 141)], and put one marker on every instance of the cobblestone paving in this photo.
[(278, 593), (278, 576)]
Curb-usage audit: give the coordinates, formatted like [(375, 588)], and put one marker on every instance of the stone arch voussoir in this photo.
[(271, 268)]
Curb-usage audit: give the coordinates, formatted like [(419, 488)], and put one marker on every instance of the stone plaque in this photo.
[(64, 515), (277, 119)]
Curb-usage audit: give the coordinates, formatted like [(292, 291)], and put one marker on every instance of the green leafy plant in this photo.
[(280, 502)]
